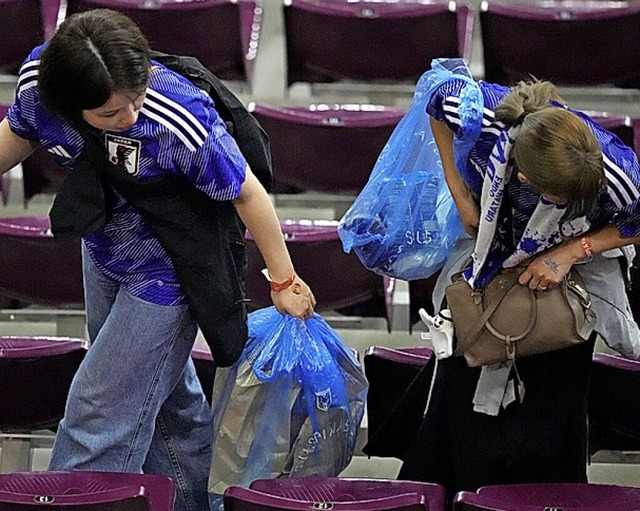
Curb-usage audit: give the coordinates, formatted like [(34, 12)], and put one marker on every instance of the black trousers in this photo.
[(542, 439)]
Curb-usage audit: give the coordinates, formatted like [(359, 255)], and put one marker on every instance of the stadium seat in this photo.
[(390, 371), (371, 42), (576, 43), (36, 270), (326, 148), (356, 491), (86, 491), (35, 376), (614, 401), (222, 34), (549, 496), (241, 499), (338, 280), (15, 45)]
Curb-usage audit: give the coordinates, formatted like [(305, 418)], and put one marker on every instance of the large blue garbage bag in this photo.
[(404, 222), (291, 406)]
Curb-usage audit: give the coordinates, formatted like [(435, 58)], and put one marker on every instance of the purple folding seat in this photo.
[(570, 43), (241, 499), (36, 269), (21, 29), (390, 371), (371, 42), (337, 279), (85, 491), (35, 376), (325, 148), (222, 34), (550, 496), (614, 404), (339, 490)]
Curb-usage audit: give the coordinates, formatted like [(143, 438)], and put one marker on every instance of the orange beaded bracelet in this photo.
[(587, 248)]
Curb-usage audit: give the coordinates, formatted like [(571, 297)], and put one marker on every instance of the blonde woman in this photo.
[(540, 185)]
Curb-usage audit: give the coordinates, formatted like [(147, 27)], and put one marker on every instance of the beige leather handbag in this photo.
[(505, 320)]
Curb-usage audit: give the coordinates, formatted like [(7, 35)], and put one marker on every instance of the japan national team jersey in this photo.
[(178, 131), (619, 205)]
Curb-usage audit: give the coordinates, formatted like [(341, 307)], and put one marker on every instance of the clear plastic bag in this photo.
[(291, 406), (404, 222)]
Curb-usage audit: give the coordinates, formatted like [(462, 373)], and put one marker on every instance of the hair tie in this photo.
[(520, 118)]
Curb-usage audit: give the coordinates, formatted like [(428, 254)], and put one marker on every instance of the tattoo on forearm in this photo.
[(552, 265)]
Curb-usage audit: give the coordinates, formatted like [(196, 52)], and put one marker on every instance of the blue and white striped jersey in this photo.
[(620, 205), (178, 131)]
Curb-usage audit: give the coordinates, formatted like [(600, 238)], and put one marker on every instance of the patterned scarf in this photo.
[(495, 248)]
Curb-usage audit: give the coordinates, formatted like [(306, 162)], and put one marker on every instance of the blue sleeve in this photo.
[(192, 138), (621, 202), (22, 113)]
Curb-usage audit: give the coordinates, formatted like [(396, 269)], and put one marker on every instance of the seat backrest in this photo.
[(614, 390), (469, 501), (337, 279), (84, 491), (342, 489), (35, 376), (36, 269), (569, 43), (561, 495), (326, 148), (389, 371), (241, 499), (328, 41), (222, 34), (20, 31)]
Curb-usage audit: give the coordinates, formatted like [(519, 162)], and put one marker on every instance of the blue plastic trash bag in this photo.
[(404, 222), (291, 406)]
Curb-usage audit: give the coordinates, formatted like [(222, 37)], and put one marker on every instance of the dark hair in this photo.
[(92, 55), (555, 150)]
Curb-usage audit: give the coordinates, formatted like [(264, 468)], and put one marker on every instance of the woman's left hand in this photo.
[(548, 269), (296, 300)]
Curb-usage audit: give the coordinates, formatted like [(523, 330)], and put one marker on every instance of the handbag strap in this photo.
[(473, 334)]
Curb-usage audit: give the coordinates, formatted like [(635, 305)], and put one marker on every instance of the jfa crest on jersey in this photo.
[(123, 152)]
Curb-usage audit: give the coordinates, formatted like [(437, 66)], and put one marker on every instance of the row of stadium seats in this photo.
[(569, 42)]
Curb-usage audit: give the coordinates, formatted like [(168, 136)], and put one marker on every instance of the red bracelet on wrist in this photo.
[(587, 248), (281, 286)]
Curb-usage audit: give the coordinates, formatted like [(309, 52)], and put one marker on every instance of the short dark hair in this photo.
[(92, 55)]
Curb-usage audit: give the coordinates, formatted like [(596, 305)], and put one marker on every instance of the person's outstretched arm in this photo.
[(256, 211), (13, 149), (467, 206)]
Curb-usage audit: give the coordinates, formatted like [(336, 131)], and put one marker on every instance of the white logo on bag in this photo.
[(323, 400)]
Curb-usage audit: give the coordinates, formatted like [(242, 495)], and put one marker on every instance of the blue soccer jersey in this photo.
[(178, 131), (620, 205)]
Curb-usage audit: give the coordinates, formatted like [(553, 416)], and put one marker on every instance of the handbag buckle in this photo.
[(510, 349), (585, 300)]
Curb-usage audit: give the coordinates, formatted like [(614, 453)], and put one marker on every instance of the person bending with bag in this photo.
[(93, 98), (540, 185)]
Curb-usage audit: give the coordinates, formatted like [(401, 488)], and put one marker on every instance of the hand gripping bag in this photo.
[(290, 406), (404, 222)]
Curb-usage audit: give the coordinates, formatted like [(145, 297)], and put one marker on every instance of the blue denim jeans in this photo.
[(135, 404)]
